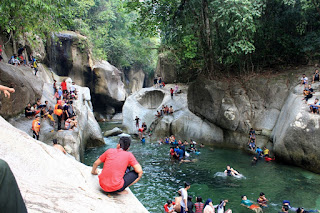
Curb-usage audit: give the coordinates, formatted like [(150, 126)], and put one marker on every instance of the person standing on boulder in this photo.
[(171, 92), (137, 122), (115, 175)]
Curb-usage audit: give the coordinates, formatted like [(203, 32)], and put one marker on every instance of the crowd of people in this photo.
[(259, 153), (165, 110), (183, 203), (63, 111), (19, 59), (308, 91)]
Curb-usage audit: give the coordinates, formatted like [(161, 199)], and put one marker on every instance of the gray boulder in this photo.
[(113, 132), (167, 68), (295, 136), (28, 88), (108, 89)]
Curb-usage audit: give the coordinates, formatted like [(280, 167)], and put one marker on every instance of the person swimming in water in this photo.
[(262, 200), (230, 171)]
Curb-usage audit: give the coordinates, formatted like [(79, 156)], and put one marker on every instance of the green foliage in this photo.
[(39, 16), (232, 34)]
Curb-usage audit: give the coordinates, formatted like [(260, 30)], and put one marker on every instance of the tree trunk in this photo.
[(14, 45), (207, 34), (25, 49)]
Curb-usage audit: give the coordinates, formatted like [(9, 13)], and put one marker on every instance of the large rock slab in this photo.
[(296, 134), (167, 68), (50, 181), (238, 107), (107, 88), (68, 54), (28, 88), (182, 123)]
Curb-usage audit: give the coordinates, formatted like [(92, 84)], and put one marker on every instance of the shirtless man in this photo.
[(58, 146)]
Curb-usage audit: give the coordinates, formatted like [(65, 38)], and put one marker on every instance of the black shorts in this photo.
[(128, 178)]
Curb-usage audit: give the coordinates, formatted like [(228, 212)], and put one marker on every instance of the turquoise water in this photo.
[(163, 177)]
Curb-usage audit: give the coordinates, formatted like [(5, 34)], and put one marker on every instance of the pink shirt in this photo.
[(116, 162)]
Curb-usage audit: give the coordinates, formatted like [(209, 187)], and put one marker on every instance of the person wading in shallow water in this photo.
[(115, 177)]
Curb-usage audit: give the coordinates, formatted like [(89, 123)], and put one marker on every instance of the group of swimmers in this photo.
[(178, 149)]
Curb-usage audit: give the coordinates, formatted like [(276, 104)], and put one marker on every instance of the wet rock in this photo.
[(113, 132)]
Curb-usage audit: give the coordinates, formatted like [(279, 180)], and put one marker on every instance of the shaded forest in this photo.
[(200, 36)]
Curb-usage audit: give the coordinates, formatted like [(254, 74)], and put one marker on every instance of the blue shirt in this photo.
[(181, 153)]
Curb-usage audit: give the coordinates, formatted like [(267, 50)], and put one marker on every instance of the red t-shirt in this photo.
[(116, 162), (64, 85)]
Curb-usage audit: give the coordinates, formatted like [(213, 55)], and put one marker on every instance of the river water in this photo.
[(162, 177)]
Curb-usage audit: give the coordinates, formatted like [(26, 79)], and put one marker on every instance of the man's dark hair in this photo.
[(299, 210), (186, 184), (54, 141), (285, 207), (261, 194), (242, 196), (169, 202), (125, 143)]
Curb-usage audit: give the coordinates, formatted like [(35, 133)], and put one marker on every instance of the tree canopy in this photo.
[(234, 35)]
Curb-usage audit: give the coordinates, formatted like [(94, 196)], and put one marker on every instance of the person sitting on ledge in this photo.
[(314, 108), (115, 177), (308, 92), (58, 146), (170, 110), (252, 144)]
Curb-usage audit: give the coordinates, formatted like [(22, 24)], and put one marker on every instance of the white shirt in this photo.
[(304, 79), (184, 195)]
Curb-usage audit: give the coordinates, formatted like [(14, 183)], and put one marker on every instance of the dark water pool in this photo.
[(162, 178)]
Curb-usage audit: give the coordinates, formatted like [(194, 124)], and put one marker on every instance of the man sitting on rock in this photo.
[(314, 108), (58, 146), (307, 92), (115, 175), (304, 80)]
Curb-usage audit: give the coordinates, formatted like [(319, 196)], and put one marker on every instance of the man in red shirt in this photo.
[(64, 86), (114, 176)]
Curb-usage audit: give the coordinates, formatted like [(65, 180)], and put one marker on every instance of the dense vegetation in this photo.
[(207, 36), (234, 35), (105, 22)]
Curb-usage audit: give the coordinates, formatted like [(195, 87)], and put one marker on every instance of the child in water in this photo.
[(262, 200)]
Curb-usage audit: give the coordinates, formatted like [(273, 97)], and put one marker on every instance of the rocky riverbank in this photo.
[(221, 112)]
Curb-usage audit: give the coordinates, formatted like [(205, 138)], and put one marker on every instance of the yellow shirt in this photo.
[(266, 151)]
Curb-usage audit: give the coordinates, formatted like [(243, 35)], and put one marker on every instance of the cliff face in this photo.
[(50, 181), (271, 105), (27, 85)]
